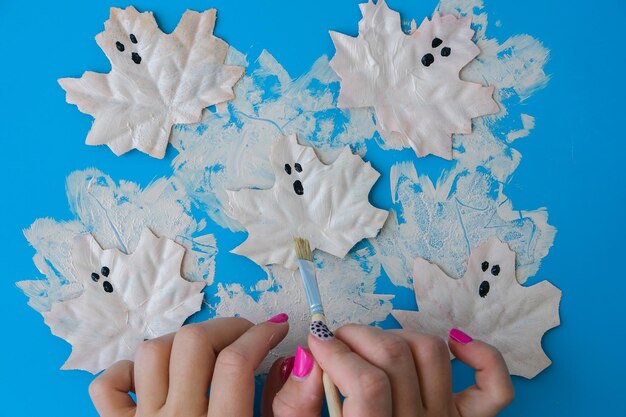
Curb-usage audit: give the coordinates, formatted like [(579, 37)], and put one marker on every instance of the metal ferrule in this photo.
[(312, 291)]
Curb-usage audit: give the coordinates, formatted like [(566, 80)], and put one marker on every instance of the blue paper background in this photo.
[(572, 164)]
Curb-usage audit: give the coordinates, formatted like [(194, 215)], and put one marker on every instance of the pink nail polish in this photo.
[(279, 318), (458, 336), (286, 368), (303, 363)]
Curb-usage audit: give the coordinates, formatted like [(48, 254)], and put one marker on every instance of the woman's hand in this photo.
[(400, 373), (172, 374)]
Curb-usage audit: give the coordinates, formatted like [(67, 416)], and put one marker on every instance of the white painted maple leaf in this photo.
[(412, 81), (126, 299), (489, 304), (324, 204), (156, 80)]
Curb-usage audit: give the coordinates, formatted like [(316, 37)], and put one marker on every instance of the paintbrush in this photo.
[(311, 289)]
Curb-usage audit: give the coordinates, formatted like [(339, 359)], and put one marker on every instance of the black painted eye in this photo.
[(445, 51), (428, 59), (288, 169), (298, 188), (136, 58), (133, 38), (119, 46), (298, 167), (95, 277), (436, 42), (483, 290), (484, 266), (105, 271), (107, 286), (495, 270)]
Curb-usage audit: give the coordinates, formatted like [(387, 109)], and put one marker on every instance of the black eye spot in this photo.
[(119, 46), (436, 42), (136, 58), (95, 277), (495, 270), (133, 38), (107, 286), (298, 167), (428, 59), (105, 271), (445, 51), (288, 169), (298, 188), (483, 290), (484, 266)]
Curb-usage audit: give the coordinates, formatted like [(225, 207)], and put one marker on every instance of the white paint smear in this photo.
[(439, 220), (115, 214), (528, 124)]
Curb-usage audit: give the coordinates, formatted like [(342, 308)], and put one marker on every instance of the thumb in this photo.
[(302, 393), (493, 389)]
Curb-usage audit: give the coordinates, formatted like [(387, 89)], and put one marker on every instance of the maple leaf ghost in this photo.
[(156, 80), (126, 299), (489, 304), (324, 204), (412, 81)]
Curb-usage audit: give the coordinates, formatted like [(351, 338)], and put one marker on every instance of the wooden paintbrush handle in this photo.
[(332, 393)]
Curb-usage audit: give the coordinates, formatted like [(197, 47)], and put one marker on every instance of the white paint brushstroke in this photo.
[(528, 124), (348, 300), (115, 214), (229, 150), (441, 222)]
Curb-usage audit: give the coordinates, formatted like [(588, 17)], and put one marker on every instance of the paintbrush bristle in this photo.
[(303, 249)]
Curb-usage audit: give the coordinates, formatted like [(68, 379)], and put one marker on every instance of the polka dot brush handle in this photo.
[(332, 393)]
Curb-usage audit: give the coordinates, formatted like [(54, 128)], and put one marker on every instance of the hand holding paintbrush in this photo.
[(311, 289)]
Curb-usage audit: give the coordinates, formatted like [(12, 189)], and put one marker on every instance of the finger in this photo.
[(276, 377), (232, 387), (432, 360), (193, 357), (494, 389), (392, 354), (366, 388), (109, 391), (303, 392), (152, 362)]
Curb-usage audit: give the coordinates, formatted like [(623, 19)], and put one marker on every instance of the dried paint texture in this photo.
[(229, 149), (126, 299), (156, 80), (442, 222), (325, 204), (412, 81), (349, 300), (115, 214), (489, 304)]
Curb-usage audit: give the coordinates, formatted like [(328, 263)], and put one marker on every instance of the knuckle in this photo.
[(192, 334), (392, 349), (432, 348), (283, 407), (98, 387), (151, 348), (233, 358), (373, 383), (504, 396)]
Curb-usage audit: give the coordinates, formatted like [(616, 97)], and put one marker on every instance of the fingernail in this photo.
[(321, 331), (303, 363), (279, 318), (286, 368), (459, 336)]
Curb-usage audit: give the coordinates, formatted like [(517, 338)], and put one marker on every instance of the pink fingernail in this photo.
[(279, 318), (303, 363), (458, 336), (286, 368)]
